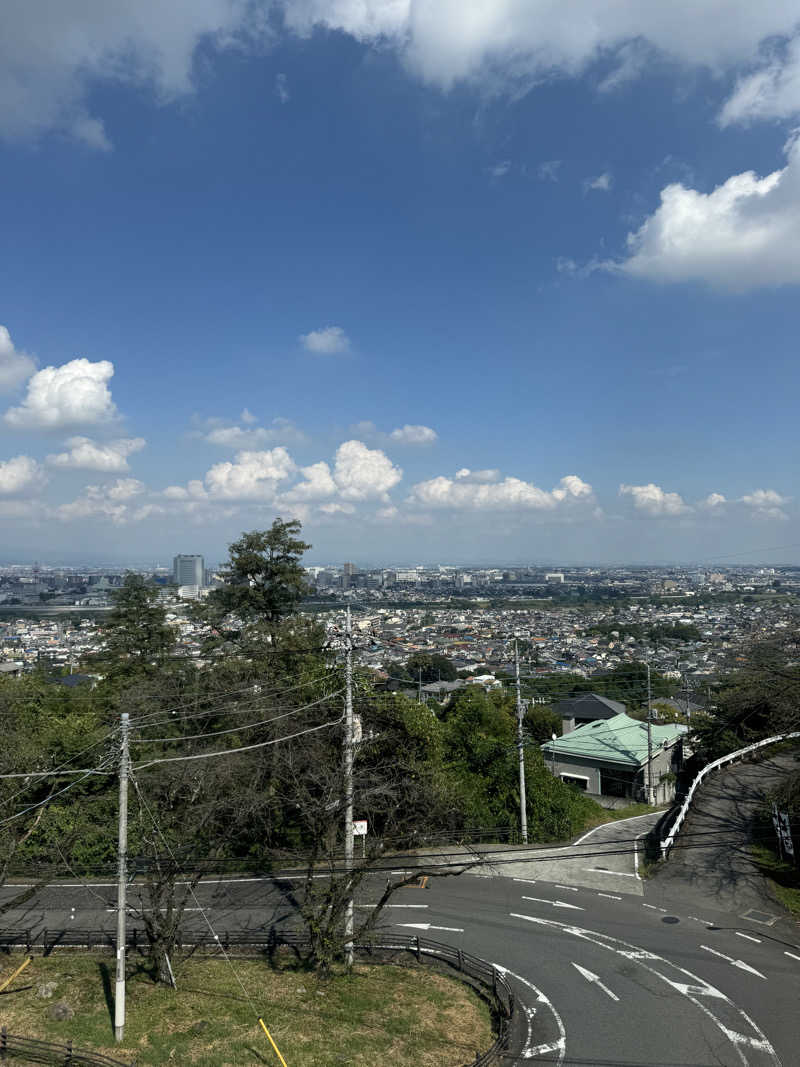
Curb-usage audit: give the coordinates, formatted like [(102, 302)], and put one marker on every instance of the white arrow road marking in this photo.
[(427, 926), (595, 980), (530, 1051), (554, 903), (743, 1035), (735, 963)]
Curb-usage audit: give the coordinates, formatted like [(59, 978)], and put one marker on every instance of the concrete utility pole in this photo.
[(523, 814), (348, 787), (650, 799), (122, 879)]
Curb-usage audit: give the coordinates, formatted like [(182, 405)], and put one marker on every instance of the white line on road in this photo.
[(427, 926), (554, 903), (792, 955), (652, 907), (393, 905), (735, 963), (747, 937), (530, 1052), (614, 825), (602, 870), (528, 881), (571, 888), (609, 896), (636, 841), (595, 980)]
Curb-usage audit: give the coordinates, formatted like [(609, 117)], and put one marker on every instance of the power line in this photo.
[(42, 803)]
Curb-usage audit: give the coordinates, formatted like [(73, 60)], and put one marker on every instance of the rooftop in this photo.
[(620, 739)]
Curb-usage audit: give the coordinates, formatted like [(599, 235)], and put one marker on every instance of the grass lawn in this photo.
[(380, 1014)]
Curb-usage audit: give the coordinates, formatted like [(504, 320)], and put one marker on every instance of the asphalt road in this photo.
[(612, 970)]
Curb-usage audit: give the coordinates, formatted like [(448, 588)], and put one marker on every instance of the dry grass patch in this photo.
[(382, 1013)]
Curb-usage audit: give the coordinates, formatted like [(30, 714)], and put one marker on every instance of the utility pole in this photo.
[(523, 814), (649, 739), (348, 788), (122, 879)]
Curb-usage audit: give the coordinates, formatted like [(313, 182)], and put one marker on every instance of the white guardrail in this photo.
[(669, 840)]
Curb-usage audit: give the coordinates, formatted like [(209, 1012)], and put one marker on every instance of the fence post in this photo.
[(68, 1060), (3, 1042), (419, 954), (460, 959)]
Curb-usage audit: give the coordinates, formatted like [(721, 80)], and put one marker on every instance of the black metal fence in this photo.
[(483, 976), (29, 1050)]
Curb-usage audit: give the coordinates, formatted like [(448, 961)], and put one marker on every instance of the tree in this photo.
[(433, 667), (264, 580), (137, 635)]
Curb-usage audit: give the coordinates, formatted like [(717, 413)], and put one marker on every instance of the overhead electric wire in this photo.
[(42, 803), (242, 748), (56, 772), (237, 729)]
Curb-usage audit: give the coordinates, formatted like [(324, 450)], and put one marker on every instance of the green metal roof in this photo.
[(620, 739)]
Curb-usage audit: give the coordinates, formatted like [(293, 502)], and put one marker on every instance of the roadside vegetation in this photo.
[(379, 1014)]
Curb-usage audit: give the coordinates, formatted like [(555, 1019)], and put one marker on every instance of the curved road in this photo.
[(612, 970)]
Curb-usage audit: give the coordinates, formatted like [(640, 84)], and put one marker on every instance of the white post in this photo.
[(122, 878), (650, 799), (523, 814), (348, 787)]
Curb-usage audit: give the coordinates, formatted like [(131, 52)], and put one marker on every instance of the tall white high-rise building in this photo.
[(189, 570)]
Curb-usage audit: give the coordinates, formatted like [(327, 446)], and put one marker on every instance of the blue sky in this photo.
[(446, 281)]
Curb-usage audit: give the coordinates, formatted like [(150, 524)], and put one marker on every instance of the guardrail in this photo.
[(478, 972), (32, 1051), (669, 840)]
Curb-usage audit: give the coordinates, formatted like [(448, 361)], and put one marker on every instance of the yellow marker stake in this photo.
[(269, 1035), (19, 970)]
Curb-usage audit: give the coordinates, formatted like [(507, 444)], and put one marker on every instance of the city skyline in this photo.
[(458, 288)]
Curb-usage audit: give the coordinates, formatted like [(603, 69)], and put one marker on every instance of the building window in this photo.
[(578, 782)]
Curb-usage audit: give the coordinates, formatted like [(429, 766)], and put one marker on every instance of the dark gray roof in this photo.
[(589, 706)]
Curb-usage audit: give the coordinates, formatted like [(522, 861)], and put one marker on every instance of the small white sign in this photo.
[(359, 828)]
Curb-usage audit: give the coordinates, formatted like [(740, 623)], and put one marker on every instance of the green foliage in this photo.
[(264, 579), (432, 666), (137, 636)]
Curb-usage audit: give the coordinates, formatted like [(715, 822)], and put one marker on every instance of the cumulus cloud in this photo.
[(713, 501), (327, 341), (510, 494), (52, 53), (514, 44), (363, 473), (227, 435), (466, 475), (766, 504), (75, 394), (602, 183), (20, 474), (252, 476), (742, 235), (114, 501), (317, 484), (414, 435), (86, 454), (15, 366), (653, 501)]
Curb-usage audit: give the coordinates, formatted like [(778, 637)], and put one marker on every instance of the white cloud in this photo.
[(15, 366), (500, 169), (652, 500), (713, 501), (217, 431), (194, 490), (742, 235), (74, 394), (602, 183), (509, 494), (771, 92), (114, 502), (766, 504), (515, 43), (86, 454), (253, 475), (466, 475), (51, 53), (20, 474), (548, 170), (414, 435), (317, 484), (282, 88), (248, 417), (362, 473), (326, 341)]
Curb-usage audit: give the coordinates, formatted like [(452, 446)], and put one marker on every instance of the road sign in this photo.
[(359, 828)]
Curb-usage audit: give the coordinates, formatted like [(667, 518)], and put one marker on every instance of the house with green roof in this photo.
[(608, 759)]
